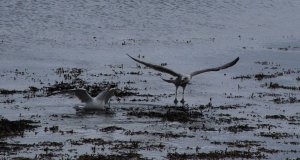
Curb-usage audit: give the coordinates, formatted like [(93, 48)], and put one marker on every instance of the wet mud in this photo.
[(176, 122)]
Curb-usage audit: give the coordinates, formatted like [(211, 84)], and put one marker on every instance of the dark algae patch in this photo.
[(15, 128), (111, 129), (161, 135), (170, 113), (276, 117), (275, 135), (278, 86), (240, 128), (96, 141), (5, 91), (242, 77), (286, 100), (123, 156), (10, 148), (262, 76), (217, 155), (11, 129), (240, 144)]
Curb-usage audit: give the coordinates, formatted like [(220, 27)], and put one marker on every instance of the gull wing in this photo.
[(105, 95), (227, 65), (82, 94), (157, 67)]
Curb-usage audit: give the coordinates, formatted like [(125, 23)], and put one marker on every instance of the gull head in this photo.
[(185, 79)]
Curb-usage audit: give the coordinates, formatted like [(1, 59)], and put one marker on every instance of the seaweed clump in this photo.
[(111, 129), (276, 117), (15, 128), (278, 86), (123, 156), (217, 155), (285, 101), (240, 128), (179, 114)]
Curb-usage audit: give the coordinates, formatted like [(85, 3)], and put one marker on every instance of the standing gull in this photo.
[(100, 102), (182, 79)]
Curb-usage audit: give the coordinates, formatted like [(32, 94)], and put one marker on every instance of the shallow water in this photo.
[(36, 38)]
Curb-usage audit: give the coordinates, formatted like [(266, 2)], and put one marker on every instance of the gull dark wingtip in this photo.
[(235, 61), (139, 61), (131, 57)]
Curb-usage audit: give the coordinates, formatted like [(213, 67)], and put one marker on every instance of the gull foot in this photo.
[(175, 101), (182, 101)]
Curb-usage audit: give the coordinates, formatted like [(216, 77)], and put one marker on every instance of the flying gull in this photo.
[(182, 79)]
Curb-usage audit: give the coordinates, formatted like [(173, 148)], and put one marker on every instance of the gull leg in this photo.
[(182, 100), (175, 100)]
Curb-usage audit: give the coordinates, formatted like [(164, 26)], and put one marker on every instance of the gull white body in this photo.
[(100, 102), (96, 104)]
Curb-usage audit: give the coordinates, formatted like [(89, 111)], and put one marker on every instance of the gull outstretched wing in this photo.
[(227, 65), (106, 95), (157, 67), (82, 94)]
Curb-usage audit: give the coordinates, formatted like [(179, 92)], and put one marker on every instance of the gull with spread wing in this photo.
[(100, 102), (182, 79)]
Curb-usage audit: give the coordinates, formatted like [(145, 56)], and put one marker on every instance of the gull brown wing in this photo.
[(227, 65), (157, 67)]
